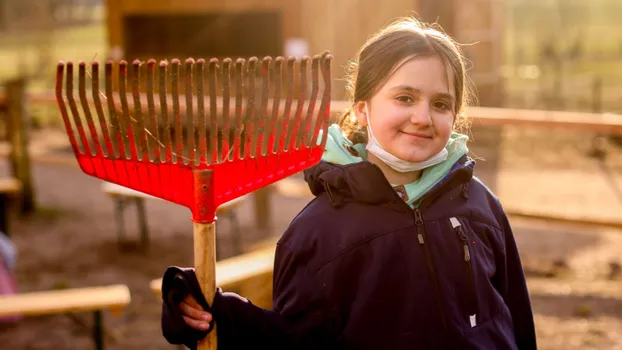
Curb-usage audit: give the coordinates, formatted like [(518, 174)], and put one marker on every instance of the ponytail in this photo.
[(351, 128)]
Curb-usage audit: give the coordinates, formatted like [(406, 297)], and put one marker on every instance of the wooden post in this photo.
[(262, 208), (19, 158)]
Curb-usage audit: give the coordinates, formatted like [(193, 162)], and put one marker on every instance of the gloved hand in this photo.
[(184, 308), (194, 314)]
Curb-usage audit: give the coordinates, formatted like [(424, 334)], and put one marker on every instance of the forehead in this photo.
[(429, 74)]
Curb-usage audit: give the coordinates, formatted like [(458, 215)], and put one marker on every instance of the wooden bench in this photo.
[(249, 275), (9, 187), (91, 299), (122, 196)]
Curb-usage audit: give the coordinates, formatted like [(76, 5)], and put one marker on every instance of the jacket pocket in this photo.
[(465, 251), (494, 333)]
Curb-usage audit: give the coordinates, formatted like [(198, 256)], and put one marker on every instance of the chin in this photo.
[(416, 154), (414, 158)]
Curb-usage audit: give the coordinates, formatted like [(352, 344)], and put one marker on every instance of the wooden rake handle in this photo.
[(205, 269)]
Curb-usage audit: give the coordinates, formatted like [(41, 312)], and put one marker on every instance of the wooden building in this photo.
[(218, 28)]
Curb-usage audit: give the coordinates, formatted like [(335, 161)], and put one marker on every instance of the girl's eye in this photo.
[(405, 99), (441, 105)]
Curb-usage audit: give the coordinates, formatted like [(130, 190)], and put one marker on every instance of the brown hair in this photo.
[(378, 58)]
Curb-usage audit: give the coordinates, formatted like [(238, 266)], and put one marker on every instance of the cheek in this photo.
[(391, 122), (443, 125)]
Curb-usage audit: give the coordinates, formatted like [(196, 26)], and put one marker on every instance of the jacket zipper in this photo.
[(465, 251), (422, 237)]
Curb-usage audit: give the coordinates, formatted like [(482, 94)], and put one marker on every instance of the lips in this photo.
[(418, 134)]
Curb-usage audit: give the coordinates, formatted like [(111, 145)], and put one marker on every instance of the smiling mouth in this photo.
[(418, 135)]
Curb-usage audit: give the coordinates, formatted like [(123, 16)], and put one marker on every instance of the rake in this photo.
[(199, 151)]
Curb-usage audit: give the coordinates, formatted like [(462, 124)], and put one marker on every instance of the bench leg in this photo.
[(142, 222), (98, 333), (4, 214), (119, 208)]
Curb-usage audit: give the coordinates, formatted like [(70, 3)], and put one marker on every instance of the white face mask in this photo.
[(394, 162)]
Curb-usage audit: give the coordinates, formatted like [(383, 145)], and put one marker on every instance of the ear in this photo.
[(361, 113)]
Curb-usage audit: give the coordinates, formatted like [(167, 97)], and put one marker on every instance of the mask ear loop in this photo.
[(371, 133)]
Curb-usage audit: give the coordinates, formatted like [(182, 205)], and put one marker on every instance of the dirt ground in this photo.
[(573, 271)]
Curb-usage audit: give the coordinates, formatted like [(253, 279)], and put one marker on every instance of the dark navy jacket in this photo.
[(359, 269)]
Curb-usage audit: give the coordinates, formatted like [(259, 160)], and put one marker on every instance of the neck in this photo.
[(394, 177)]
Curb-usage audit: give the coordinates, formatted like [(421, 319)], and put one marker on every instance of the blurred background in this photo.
[(546, 132)]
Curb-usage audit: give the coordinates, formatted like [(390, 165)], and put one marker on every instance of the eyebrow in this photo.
[(415, 90)]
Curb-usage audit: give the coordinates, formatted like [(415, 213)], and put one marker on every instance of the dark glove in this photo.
[(177, 283)]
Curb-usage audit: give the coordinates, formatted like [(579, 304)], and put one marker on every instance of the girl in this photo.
[(402, 248)]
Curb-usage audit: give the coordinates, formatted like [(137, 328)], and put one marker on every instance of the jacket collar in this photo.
[(364, 182)]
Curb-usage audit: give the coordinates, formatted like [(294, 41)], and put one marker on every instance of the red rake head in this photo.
[(190, 152)]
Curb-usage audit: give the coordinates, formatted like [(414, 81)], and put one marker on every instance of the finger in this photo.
[(199, 325), (190, 300), (190, 311), (194, 313)]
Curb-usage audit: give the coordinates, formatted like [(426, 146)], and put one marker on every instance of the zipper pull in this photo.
[(456, 225), (418, 217), (420, 237), (463, 237), (467, 253), (419, 223)]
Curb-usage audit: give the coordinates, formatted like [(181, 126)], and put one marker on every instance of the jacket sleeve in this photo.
[(513, 288), (299, 320)]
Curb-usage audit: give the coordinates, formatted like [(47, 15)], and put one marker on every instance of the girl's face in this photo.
[(412, 114)]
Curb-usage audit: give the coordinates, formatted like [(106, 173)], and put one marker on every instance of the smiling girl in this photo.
[(402, 248)]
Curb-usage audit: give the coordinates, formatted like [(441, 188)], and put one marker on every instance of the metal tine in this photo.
[(213, 111), (249, 125), (86, 108), (189, 151), (239, 92), (60, 69), (324, 112), (109, 151), (143, 152), (86, 149), (294, 131), (167, 140), (126, 123), (154, 147), (117, 134), (284, 136), (226, 97), (261, 117), (315, 81), (200, 67), (177, 128), (275, 72)]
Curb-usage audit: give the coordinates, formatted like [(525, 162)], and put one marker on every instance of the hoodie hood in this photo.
[(340, 151)]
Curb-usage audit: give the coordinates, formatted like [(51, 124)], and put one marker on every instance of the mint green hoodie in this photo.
[(336, 152)]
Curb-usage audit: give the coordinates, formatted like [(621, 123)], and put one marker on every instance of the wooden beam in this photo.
[(18, 130), (608, 123), (114, 298), (10, 185), (490, 116), (596, 122), (248, 274)]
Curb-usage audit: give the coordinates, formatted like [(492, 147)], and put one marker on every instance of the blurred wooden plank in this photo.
[(248, 274), (10, 185), (608, 123), (114, 297)]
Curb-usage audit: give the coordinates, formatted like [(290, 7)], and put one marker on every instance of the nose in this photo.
[(421, 114)]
